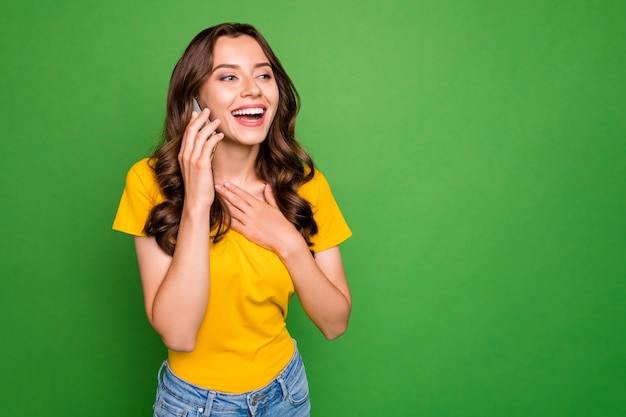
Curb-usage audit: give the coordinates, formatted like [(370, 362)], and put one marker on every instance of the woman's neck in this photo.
[(235, 164)]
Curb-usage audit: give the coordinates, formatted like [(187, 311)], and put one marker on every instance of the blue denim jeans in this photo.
[(286, 395)]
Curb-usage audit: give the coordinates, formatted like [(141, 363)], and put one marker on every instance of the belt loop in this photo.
[(209, 404), (283, 386), (163, 365)]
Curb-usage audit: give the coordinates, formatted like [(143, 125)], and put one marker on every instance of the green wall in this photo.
[(477, 149)]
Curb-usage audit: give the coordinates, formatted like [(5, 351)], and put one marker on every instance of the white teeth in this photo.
[(248, 112)]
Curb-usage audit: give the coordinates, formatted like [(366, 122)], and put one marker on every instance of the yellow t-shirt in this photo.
[(243, 342)]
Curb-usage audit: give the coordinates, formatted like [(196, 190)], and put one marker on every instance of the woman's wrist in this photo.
[(291, 246), (196, 213)]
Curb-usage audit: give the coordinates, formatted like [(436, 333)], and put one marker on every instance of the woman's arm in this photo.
[(320, 282), (321, 285), (176, 288)]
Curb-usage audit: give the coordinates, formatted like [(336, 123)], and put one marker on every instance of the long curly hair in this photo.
[(281, 160)]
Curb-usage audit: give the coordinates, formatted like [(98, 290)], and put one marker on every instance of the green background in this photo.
[(477, 149)]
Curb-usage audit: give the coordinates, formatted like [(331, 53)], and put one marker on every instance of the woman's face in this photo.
[(241, 90)]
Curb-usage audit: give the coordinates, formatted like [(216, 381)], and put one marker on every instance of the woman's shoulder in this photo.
[(141, 176), (142, 170), (311, 189), (142, 167), (141, 194)]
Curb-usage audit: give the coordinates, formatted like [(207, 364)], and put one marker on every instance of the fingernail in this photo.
[(205, 110), (227, 184)]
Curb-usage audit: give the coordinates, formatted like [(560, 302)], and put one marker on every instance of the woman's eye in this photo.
[(265, 76), (227, 78)]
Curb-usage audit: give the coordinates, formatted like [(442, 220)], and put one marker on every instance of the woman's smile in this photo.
[(250, 115)]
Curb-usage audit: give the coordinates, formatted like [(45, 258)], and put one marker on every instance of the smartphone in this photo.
[(198, 109)]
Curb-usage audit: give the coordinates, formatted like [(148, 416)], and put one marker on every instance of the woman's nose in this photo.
[(251, 88)]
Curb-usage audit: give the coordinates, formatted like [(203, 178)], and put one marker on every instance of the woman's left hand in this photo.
[(262, 222), (320, 282)]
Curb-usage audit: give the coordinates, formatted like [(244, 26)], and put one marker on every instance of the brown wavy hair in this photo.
[(281, 160)]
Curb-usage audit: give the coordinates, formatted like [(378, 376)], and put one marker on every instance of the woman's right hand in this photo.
[(195, 154)]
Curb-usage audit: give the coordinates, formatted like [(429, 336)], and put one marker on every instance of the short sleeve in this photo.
[(140, 195), (332, 227)]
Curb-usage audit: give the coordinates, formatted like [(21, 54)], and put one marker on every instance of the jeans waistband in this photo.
[(203, 398)]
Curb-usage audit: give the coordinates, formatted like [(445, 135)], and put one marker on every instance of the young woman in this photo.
[(231, 218)]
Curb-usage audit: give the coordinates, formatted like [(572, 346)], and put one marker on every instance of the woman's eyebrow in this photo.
[(233, 66)]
